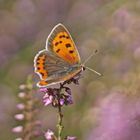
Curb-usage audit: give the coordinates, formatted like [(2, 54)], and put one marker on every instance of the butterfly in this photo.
[(60, 61)]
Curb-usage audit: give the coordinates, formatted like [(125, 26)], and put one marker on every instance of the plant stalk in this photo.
[(60, 116)]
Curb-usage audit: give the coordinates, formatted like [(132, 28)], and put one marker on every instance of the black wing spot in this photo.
[(38, 68), (38, 58), (68, 45), (57, 50), (64, 36), (56, 43), (71, 51), (37, 63), (42, 74), (60, 36), (67, 37), (60, 41)]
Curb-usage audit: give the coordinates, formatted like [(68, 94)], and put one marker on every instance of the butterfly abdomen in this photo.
[(61, 77)]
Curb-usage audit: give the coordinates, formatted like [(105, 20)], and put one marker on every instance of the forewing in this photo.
[(60, 42)]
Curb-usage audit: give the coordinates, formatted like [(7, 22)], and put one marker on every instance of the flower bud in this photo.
[(21, 95), (20, 106), (19, 117), (22, 87), (17, 129), (71, 138), (62, 102)]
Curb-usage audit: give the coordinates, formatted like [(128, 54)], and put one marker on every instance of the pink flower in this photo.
[(43, 89), (62, 101), (71, 138), (47, 99), (20, 106), (17, 129), (19, 117), (49, 135)]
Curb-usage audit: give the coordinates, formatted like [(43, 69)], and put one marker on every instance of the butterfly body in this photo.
[(60, 61)]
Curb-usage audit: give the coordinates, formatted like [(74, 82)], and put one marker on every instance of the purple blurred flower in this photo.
[(119, 119), (37, 133), (47, 99), (38, 123), (123, 19), (49, 135), (70, 138), (137, 53)]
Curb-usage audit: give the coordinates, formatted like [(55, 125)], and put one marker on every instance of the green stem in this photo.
[(60, 126), (60, 116)]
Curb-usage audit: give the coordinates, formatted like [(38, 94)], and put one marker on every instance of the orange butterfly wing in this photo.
[(39, 62), (60, 42)]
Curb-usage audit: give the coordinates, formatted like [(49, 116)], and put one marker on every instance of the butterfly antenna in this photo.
[(93, 71), (93, 53)]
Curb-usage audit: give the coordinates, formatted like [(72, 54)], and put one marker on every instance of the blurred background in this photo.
[(105, 108)]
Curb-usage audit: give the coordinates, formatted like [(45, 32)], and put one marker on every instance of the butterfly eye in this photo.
[(83, 68)]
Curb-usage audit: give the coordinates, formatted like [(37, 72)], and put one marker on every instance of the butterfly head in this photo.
[(83, 68)]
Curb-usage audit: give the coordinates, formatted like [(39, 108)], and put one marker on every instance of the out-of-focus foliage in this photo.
[(112, 26)]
